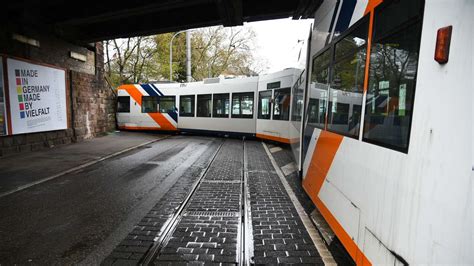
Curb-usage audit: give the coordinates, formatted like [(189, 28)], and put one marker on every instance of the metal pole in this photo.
[(171, 59), (188, 56), (171, 54)]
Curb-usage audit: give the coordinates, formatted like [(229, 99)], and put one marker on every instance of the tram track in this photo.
[(247, 235), (244, 244)]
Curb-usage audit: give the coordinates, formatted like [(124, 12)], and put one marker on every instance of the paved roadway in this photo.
[(83, 215)]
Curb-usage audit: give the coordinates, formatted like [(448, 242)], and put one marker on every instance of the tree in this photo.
[(128, 60), (219, 50), (162, 59), (215, 51)]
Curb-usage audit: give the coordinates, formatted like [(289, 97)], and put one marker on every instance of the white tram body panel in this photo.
[(270, 126), (393, 206), (221, 124)]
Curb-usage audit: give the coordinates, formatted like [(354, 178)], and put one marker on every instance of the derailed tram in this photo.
[(253, 106), (376, 122)]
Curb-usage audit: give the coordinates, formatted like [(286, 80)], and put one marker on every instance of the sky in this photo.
[(276, 44)]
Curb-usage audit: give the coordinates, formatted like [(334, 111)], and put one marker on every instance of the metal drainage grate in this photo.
[(211, 213), (261, 171), (221, 181)]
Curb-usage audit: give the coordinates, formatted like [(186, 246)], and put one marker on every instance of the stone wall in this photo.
[(93, 109), (91, 103)]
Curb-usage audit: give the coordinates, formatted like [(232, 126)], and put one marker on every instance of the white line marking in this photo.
[(275, 149), (289, 168), (312, 231), (20, 188)]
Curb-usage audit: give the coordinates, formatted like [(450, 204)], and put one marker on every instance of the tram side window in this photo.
[(149, 104), (313, 111), (221, 105), (297, 102), (318, 92), (167, 104), (392, 75), (347, 81), (123, 104), (242, 105), (281, 108), (204, 103), (264, 104), (186, 105)]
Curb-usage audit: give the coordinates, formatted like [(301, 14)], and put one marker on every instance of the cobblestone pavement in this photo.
[(284, 157), (208, 231), (216, 197), (200, 239), (228, 164), (210, 227), (134, 247), (278, 232)]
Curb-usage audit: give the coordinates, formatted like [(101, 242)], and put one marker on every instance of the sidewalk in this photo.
[(24, 170)]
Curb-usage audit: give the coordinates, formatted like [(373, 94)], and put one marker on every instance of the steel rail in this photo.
[(171, 224)]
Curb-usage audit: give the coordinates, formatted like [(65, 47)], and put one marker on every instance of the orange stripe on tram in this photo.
[(372, 5), (369, 48), (274, 138), (326, 148), (164, 123), (159, 118)]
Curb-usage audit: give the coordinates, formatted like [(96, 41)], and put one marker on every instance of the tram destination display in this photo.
[(37, 96)]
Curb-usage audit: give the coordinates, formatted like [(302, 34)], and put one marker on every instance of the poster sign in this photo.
[(37, 97)]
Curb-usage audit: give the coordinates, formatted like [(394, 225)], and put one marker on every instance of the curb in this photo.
[(79, 167)]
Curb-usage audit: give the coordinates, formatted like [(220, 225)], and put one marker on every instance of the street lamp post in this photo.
[(188, 54), (171, 53)]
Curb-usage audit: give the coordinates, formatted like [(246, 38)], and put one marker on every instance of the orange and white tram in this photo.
[(388, 138), (215, 105), (380, 122)]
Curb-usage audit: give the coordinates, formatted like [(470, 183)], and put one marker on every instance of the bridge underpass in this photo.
[(89, 21), (95, 211), (68, 36)]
